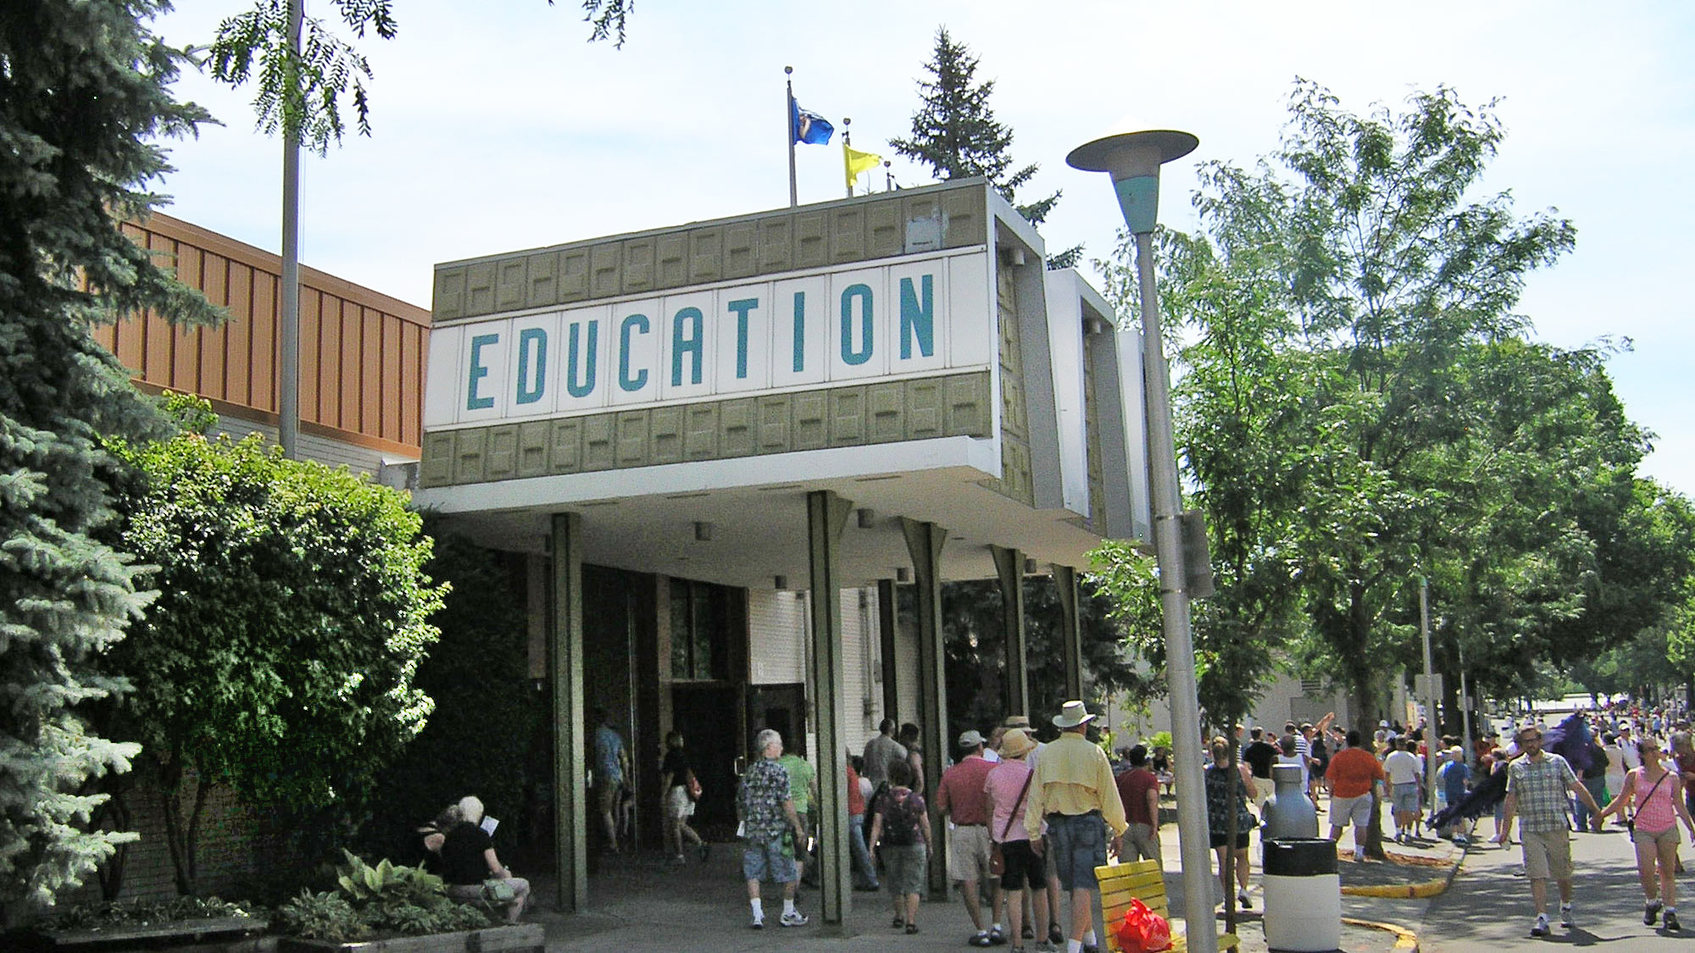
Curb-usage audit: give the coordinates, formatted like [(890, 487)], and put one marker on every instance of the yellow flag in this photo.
[(856, 162)]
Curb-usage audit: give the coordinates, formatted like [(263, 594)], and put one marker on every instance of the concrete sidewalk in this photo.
[(641, 902)]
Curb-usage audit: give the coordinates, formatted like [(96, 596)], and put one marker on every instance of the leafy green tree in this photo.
[(1239, 423), (976, 650), (955, 133), (280, 657), (478, 738), (1537, 545), (1391, 271), (84, 100), (310, 92)]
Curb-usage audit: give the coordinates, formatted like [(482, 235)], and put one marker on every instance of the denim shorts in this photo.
[(1076, 846), (764, 860)]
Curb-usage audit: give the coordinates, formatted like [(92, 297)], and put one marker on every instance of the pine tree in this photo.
[(83, 98), (956, 134)]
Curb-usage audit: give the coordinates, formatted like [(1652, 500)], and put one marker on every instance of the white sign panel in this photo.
[(917, 317)]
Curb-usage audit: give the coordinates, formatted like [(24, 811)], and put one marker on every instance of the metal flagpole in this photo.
[(847, 144), (789, 123)]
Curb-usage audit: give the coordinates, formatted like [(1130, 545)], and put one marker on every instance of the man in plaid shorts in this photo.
[(1539, 789)]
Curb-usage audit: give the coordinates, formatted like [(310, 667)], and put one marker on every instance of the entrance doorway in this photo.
[(782, 707), (707, 715)]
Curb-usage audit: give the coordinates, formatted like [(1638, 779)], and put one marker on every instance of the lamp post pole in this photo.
[(1133, 159)]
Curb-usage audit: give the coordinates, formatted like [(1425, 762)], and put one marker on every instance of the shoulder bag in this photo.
[(997, 860), (498, 891)]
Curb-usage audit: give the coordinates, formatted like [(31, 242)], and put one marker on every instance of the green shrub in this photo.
[(97, 916), (479, 739), (376, 900), (320, 916)]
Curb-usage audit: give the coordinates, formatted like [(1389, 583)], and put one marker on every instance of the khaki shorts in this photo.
[(968, 853), (1350, 810), (1547, 854), (1263, 788), (1658, 838), (1141, 842)]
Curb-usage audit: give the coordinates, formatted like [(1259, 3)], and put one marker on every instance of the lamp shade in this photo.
[(1133, 160)]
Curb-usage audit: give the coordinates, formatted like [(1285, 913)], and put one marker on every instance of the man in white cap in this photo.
[(1074, 791), (960, 799)]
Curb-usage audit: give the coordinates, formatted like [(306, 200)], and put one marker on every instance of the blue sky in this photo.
[(497, 128)]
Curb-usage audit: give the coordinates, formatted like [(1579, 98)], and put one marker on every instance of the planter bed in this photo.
[(210, 932), (521, 938)]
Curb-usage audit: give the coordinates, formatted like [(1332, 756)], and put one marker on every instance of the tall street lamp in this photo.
[(1133, 160)]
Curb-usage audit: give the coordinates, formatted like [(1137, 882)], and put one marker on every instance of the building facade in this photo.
[(721, 445)]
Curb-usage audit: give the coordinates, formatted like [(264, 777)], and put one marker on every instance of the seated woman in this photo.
[(468, 859), (432, 836)]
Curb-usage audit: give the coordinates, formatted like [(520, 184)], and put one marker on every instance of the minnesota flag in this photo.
[(807, 126), (856, 162)]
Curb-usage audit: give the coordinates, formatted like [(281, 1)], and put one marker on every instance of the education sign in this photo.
[(912, 317)]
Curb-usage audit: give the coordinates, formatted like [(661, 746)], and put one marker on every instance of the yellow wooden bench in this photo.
[(1145, 881)]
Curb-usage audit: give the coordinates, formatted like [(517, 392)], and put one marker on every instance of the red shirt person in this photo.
[(960, 798), (1138, 788)]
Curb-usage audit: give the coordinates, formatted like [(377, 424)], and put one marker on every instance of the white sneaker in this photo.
[(793, 918), (1565, 916)]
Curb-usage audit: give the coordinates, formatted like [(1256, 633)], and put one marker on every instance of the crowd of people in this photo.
[(1027, 821), (1050, 812)]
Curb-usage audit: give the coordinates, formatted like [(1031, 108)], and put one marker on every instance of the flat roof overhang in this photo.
[(644, 519)]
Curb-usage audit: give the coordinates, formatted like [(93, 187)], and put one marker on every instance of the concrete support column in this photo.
[(826, 516), (1009, 565), (1070, 630), (888, 611), (565, 676), (925, 541)]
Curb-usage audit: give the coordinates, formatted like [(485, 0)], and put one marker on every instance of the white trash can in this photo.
[(1303, 895)]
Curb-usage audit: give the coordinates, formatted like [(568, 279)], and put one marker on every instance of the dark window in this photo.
[(700, 630)]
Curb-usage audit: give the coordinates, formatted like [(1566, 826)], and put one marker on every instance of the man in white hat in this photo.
[(1074, 791)]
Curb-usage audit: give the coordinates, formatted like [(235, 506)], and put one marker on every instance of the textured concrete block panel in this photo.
[(501, 461), (858, 415), (533, 439)]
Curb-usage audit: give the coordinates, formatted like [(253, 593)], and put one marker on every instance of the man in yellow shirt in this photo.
[(1074, 792)]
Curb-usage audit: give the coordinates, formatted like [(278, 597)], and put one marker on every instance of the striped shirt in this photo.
[(1540, 788)]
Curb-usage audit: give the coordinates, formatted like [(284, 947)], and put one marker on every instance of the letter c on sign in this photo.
[(630, 383)]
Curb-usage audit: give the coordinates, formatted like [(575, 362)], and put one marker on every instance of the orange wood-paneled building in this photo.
[(362, 353)]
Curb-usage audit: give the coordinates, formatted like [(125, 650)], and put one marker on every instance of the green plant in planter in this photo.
[(130, 913), (378, 899), (385, 885), (321, 916)]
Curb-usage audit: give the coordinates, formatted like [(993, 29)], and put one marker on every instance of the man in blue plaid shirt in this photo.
[(1539, 789)]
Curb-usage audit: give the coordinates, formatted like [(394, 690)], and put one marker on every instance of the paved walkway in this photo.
[(643, 903), (1489, 910)]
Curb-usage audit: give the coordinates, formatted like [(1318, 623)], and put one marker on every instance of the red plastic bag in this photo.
[(1142, 930)]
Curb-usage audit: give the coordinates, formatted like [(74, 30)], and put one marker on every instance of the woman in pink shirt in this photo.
[(1657, 797), (1007, 787)]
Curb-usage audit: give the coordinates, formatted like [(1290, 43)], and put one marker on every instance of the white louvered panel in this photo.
[(776, 623)]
